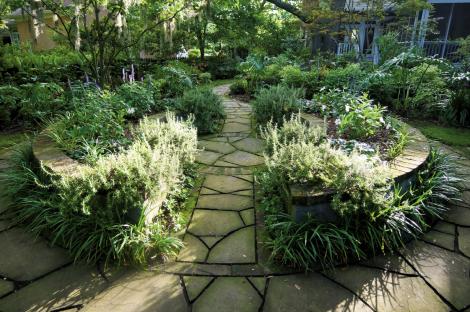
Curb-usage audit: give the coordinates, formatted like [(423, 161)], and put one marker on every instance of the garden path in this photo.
[(224, 266), (222, 226)]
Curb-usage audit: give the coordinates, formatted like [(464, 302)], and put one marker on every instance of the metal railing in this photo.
[(344, 47), (442, 49), (434, 48)]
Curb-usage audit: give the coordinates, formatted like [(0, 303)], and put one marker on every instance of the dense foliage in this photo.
[(206, 108), (94, 127), (144, 57), (276, 103), (20, 65), (372, 214), (123, 209), (407, 83), (30, 104)]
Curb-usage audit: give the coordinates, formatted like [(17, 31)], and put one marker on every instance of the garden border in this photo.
[(302, 200)]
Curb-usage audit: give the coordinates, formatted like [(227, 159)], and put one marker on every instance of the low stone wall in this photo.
[(53, 159), (304, 200), (50, 156)]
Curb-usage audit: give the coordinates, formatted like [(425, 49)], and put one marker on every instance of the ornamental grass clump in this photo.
[(373, 214), (123, 209)]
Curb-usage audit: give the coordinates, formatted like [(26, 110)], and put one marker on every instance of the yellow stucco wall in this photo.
[(44, 40)]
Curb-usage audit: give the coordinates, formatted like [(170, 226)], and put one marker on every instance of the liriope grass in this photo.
[(309, 243)]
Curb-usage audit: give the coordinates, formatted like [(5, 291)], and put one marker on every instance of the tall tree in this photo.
[(95, 27), (201, 18)]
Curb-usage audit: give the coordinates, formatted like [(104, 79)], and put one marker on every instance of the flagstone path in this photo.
[(222, 227), (224, 267)]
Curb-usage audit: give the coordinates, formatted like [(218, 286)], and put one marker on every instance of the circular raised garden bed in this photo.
[(55, 161), (303, 200), (50, 156)]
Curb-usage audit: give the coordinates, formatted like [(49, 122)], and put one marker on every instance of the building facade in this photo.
[(435, 31)]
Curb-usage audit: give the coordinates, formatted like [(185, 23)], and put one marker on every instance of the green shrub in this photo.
[(222, 67), (194, 53), (362, 119), (430, 90), (330, 103), (253, 70), (271, 74), (389, 47), (350, 77), (240, 86), (135, 98), (292, 130), (205, 77), (188, 69), (155, 88), (124, 209), (205, 106), (276, 103), (24, 58), (293, 76), (41, 101), (21, 64), (93, 128), (10, 98), (458, 110), (173, 81), (411, 85)]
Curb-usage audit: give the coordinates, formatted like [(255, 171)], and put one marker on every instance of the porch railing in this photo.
[(443, 49), (435, 48), (344, 48)]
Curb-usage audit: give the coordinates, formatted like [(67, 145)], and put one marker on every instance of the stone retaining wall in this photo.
[(50, 156)]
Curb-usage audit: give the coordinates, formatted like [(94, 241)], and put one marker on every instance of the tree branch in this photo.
[(292, 9), (154, 26)]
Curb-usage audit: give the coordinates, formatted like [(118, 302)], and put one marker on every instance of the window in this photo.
[(15, 38)]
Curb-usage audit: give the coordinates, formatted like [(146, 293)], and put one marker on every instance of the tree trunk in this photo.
[(202, 50), (77, 26)]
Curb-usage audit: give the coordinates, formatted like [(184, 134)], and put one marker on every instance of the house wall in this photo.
[(44, 40), (458, 27)]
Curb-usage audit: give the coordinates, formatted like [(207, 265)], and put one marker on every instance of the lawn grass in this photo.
[(448, 135), (217, 83), (459, 138)]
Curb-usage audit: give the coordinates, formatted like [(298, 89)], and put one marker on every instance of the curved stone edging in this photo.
[(49, 155), (302, 200)]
